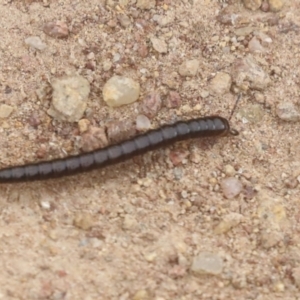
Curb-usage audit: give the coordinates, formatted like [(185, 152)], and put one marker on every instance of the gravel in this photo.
[(69, 98), (120, 90)]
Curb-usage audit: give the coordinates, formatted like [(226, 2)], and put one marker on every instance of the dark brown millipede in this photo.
[(195, 128)]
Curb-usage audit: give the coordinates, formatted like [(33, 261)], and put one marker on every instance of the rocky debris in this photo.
[(142, 123), (247, 74), (220, 84), (94, 138), (228, 222), (69, 98), (145, 4), (120, 130), (287, 111), (5, 111), (83, 221), (275, 5), (173, 100), (57, 29), (159, 45), (231, 187), (252, 113), (189, 67), (207, 263), (120, 90), (35, 42), (151, 105), (252, 4)]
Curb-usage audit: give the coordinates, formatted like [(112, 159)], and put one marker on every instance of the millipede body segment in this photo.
[(195, 128)]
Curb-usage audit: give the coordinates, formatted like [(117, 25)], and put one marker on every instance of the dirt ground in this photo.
[(159, 226)]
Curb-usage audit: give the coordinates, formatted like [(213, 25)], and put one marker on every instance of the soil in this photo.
[(140, 229)]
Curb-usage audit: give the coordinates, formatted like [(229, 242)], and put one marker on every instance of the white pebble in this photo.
[(35, 42), (119, 90), (142, 123), (231, 187)]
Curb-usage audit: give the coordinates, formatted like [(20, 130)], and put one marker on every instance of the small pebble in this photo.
[(5, 111), (69, 98), (231, 187), (207, 263), (287, 111), (173, 100), (35, 42), (142, 123), (220, 84), (120, 130), (246, 73), (252, 4), (145, 4), (83, 221), (229, 170), (124, 20), (150, 105), (56, 29), (83, 125), (189, 67), (276, 5), (255, 46), (141, 295), (270, 238), (159, 45), (252, 113), (243, 31), (94, 138), (228, 222), (129, 223), (119, 90)]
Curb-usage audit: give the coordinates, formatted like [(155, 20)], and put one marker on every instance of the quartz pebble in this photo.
[(220, 84), (189, 67), (142, 123), (287, 111), (231, 187), (207, 263), (159, 45), (151, 105), (5, 111), (56, 29), (69, 98), (35, 42), (119, 90)]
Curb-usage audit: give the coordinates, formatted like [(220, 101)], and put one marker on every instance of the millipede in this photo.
[(165, 135)]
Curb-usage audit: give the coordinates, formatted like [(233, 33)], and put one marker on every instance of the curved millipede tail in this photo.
[(195, 128)]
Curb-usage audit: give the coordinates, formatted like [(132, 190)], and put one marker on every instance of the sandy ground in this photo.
[(140, 229)]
